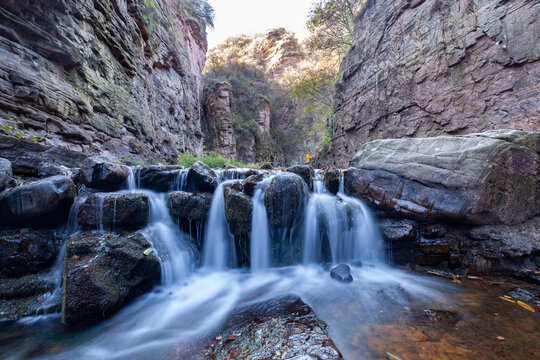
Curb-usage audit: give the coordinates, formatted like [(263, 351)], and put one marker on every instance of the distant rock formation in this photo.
[(103, 77), (426, 68)]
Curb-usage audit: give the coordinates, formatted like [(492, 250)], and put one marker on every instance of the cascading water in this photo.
[(219, 251), (179, 182), (343, 225), (260, 232)]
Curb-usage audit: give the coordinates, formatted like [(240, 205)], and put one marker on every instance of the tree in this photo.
[(202, 10), (331, 23)]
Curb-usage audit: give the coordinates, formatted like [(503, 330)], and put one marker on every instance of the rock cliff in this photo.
[(108, 77), (426, 68)]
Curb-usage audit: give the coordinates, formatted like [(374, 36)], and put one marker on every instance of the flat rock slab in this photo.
[(281, 328)]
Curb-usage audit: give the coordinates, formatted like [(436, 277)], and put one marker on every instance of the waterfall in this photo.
[(260, 231), (219, 251), (340, 225), (179, 182)]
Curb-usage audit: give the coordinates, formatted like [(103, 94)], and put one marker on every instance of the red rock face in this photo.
[(427, 68)]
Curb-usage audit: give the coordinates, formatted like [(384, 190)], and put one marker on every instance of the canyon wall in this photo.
[(109, 77), (422, 68)]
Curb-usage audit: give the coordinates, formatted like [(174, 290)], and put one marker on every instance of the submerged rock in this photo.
[(306, 172), (103, 272), (189, 206), (26, 251), (45, 202), (481, 179), (280, 328), (100, 173), (342, 273), (201, 178), (114, 211), (284, 199)]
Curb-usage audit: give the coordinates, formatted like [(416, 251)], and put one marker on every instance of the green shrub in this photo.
[(213, 160)]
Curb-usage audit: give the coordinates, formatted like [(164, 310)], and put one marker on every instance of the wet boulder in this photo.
[(480, 179), (331, 179), (399, 230), (284, 199), (189, 206), (103, 174), (306, 172), (251, 182), (26, 251), (342, 273), (102, 272), (160, 178), (6, 175), (45, 202), (279, 328), (238, 211), (114, 211), (201, 178)]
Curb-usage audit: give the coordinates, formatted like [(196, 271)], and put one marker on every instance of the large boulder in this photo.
[(189, 206), (306, 172), (42, 203), (331, 179), (487, 178), (161, 178), (6, 175), (251, 182), (26, 251), (284, 199), (114, 211), (101, 173), (103, 272), (201, 178)]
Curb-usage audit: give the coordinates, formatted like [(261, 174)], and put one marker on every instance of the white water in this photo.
[(260, 231), (219, 251), (179, 182), (193, 304)]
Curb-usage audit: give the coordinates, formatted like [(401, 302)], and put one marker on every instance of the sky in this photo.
[(236, 17)]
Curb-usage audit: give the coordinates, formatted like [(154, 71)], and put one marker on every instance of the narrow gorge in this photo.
[(373, 194)]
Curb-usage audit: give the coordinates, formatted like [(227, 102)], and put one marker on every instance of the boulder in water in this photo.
[(189, 206), (201, 178), (238, 211), (342, 273), (102, 272), (114, 211), (251, 183), (45, 202), (159, 178), (481, 179), (284, 199), (331, 179), (26, 251), (100, 173), (306, 172)]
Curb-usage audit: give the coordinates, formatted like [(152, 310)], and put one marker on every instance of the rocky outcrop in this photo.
[(30, 159), (201, 178), (103, 272), (103, 174), (6, 175), (42, 203), (238, 211), (26, 252), (284, 200), (306, 172), (217, 124), (482, 179), (114, 211), (103, 77), (428, 68), (279, 328), (160, 178)]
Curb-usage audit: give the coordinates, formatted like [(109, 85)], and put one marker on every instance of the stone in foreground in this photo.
[(284, 199), (103, 272), (42, 203), (201, 178), (342, 273), (481, 179), (281, 328)]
